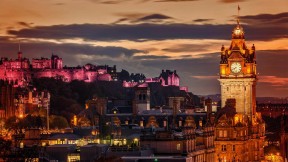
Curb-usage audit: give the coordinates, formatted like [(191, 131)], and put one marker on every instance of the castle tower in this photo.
[(56, 62)]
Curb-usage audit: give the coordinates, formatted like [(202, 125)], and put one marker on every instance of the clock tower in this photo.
[(239, 136), (238, 73)]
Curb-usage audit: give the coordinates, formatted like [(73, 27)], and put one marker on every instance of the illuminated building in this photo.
[(240, 136), (196, 143), (273, 110), (165, 79), (18, 103), (284, 138), (7, 99), (22, 72)]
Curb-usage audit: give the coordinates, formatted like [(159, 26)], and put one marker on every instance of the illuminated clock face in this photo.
[(236, 67)]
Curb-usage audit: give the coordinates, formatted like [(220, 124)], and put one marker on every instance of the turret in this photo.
[(20, 55)]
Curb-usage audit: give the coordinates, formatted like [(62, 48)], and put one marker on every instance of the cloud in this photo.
[(141, 1), (108, 1), (24, 24), (175, 0), (231, 1), (202, 20), (274, 80), (59, 4), (152, 31), (205, 77), (150, 57), (140, 32), (153, 18), (122, 20), (67, 50), (272, 19), (186, 48), (142, 18), (272, 63)]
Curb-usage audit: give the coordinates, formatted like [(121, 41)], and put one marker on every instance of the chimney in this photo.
[(208, 104)]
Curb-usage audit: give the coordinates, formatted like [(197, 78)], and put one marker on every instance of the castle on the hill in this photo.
[(21, 71)]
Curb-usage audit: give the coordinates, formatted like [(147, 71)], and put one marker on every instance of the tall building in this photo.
[(240, 129), (7, 99)]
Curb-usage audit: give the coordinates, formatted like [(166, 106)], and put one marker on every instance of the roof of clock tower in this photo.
[(238, 39), (238, 45)]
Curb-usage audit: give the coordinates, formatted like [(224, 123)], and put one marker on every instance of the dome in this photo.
[(238, 32)]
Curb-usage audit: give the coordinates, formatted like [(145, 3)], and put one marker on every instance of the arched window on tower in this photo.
[(140, 97), (144, 97)]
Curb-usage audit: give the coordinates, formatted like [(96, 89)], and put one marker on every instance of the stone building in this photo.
[(196, 143), (19, 103), (239, 130)]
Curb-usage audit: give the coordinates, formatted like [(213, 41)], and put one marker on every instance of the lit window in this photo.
[(225, 133), (180, 123), (164, 123), (220, 133), (73, 157), (223, 147), (178, 147)]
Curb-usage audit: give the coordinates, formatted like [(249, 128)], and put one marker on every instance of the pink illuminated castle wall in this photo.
[(21, 71), (166, 78)]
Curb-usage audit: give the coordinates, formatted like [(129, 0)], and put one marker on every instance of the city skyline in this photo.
[(146, 36)]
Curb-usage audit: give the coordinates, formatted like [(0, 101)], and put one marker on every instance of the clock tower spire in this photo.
[(238, 73)]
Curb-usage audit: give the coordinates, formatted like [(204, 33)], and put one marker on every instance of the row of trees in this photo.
[(17, 124)]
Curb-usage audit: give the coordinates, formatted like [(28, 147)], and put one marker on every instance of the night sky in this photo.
[(146, 36)]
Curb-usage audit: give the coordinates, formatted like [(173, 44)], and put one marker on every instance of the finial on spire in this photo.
[(19, 51), (238, 15), (19, 46)]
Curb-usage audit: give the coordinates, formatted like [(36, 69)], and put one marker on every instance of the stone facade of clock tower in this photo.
[(238, 73)]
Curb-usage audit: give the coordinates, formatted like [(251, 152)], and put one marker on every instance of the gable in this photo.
[(236, 56)]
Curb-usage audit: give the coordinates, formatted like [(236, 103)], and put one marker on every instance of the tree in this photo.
[(5, 148), (58, 122)]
